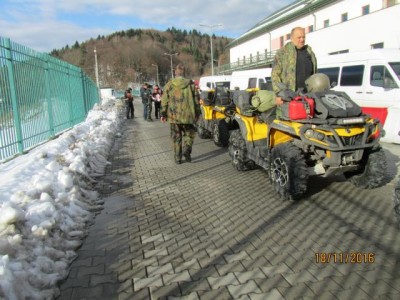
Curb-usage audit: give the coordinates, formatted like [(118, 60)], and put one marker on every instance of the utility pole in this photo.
[(211, 27), (158, 82), (96, 71), (170, 55)]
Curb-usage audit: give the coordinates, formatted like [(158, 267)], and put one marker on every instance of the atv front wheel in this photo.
[(202, 132), (396, 201), (221, 133), (373, 171), (288, 171), (238, 152)]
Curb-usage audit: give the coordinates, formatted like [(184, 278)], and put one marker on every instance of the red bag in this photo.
[(301, 108)]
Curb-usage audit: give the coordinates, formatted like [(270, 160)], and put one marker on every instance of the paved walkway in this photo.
[(202, 230)]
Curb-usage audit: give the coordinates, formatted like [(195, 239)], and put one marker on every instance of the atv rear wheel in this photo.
[(238, 152), (288, 171), (396, 201), (221, 133), (373, 171), (202, 132)]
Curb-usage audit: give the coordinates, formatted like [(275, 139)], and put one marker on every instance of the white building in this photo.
[(332, 26)]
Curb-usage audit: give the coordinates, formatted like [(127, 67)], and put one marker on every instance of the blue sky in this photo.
[(45, 25)]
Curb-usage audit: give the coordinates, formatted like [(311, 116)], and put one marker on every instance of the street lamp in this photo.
[(170, 55), (158, 82), (211, 27)]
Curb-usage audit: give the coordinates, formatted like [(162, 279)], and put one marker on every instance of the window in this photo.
[(332, 73), (377, 46), (339, 52), (365, 10), (388, 3), (252, 83), (380, 77), (352, 75), (326, 23), (376, 76), (311, 28), (344, 17), (396, 68)]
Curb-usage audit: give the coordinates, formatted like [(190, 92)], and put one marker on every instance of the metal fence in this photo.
[(258, 60), (40, 96)]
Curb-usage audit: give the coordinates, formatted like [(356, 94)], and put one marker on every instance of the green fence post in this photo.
[(71, 112), (84, 93), (48, 96), (13, 95)]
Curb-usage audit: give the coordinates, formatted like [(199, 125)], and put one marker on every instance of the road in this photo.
[(203, 230)]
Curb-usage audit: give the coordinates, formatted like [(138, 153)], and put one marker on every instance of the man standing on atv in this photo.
[(180, 106), (293, 64)]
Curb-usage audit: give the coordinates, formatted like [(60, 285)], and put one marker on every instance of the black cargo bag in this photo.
[(334, 104), (242, 101), (222, 97)]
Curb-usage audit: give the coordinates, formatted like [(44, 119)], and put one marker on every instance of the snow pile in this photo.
[(47, 201)]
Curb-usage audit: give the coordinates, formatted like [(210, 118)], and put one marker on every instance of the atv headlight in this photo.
[(348, 121), (312, 134)]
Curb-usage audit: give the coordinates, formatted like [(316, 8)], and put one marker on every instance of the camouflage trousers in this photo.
[(182, 139), (149, 109)]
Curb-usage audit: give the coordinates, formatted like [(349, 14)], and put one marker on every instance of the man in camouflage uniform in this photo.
[(293, 64), (180, 106)]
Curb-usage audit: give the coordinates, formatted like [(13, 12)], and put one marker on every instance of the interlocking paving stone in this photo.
[(272, 295), (156, 270), (243, 277), (165, 292), (140, 283), (220, 294), (243, 289), (177, 277), (217, 282)]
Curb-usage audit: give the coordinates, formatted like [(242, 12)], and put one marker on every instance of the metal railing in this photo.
[(40, 96), (253, 61)]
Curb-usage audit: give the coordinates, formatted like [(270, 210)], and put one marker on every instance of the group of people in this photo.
[(149, 96), (178, 103)]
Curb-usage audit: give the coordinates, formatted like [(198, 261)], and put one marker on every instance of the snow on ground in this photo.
[(47, 202)]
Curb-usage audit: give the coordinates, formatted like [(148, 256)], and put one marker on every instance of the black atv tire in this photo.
[(396, 201), (221, 133), (202, 132), (238, 152), (373, 173), (288, 171)]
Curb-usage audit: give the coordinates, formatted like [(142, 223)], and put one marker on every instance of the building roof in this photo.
[(286, 14)]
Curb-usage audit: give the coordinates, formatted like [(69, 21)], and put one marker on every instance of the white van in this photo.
[(254, 78), (372, 79), (207, 83)]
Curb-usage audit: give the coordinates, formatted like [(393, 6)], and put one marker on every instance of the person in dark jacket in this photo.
[(130, 110), (145, 94), (293, 64), (180, 106)]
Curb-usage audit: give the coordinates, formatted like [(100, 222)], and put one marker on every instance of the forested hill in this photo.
[(135, 55)]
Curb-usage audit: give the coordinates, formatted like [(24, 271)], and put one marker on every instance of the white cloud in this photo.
[(47, 24)]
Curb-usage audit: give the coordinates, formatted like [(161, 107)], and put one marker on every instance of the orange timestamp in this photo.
[(344, 257)]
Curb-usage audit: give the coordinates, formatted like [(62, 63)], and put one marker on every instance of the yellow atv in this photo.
[(216, 112), (335, 138)]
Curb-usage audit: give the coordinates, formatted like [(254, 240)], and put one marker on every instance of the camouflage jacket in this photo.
[(179, 102), (284, 69)]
